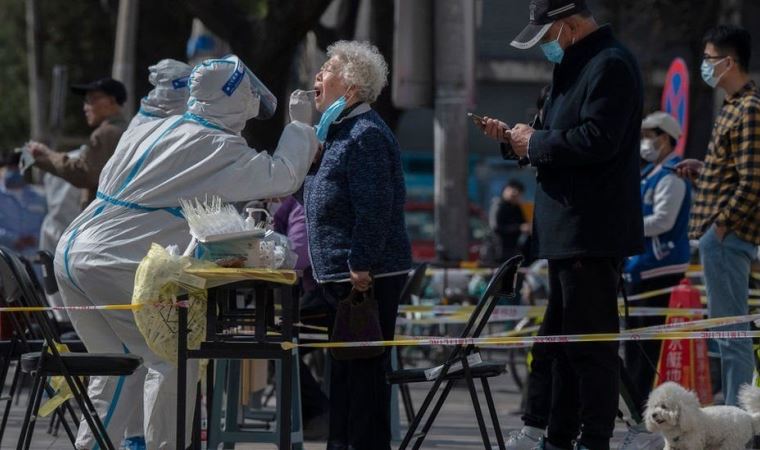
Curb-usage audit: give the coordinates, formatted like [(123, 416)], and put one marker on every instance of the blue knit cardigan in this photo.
[(355, 202)]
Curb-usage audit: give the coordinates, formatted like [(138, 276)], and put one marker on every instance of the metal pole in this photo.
[(125, 51), (57, 103), (453, 59), (34, 61)]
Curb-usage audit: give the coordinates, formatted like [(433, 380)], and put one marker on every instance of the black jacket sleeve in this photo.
[(607, 104)]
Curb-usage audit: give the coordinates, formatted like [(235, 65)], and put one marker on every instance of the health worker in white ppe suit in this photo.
[(169, 94), (190, 156), (168, 97)]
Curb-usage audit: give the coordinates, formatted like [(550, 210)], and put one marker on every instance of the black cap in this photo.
[(112, 87), (542, 14)]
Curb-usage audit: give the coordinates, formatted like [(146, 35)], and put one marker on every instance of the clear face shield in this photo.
[(267, 100)]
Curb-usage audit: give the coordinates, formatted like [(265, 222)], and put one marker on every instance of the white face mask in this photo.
[(648, 151)]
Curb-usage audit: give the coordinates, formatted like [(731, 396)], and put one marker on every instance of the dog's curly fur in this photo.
[(675, 412)]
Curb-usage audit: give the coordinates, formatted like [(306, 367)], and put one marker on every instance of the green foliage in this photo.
[(79, 35), (257, 9), (14, 107)]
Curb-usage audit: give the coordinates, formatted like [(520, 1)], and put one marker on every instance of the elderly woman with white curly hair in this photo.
[(354, 200)]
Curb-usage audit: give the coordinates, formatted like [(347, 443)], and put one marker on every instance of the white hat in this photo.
[(663, 121)]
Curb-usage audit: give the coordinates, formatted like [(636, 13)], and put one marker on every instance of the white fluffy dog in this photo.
[(675, 412)]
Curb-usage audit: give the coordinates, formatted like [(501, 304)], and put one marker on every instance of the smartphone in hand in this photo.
[(477, 120), (480, 121)]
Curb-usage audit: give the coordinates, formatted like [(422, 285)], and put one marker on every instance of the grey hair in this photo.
[(361, 66)]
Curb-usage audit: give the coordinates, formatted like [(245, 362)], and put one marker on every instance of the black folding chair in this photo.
[(49, 286), (45, 260), (51, 362), (24, 338), (413, 286), (501, 285)]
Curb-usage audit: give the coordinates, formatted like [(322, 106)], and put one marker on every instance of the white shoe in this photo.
[(522, 440), (638, 438)]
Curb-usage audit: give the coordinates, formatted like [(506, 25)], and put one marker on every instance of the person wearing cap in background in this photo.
[(587, 214), (169, 94), (103, 100), (666, 201), (190, 156)]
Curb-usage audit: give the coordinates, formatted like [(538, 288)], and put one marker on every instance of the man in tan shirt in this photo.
[(103, 100)]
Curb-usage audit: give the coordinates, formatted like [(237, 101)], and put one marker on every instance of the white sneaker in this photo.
[(638, 438), (522, 440)]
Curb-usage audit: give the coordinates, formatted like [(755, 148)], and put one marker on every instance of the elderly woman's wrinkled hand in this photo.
[(361, 281)]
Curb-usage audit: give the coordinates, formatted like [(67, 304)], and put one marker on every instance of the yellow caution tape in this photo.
[(697, 324), (683, 330), (508, 341), (520, 311)]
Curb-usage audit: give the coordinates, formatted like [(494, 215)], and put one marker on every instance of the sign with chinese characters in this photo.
[(685, 361)]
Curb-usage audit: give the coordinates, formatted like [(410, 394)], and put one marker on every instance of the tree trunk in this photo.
[(266, 45), (36, 80)]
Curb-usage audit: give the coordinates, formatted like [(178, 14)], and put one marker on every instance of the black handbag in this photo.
[(357, 320)]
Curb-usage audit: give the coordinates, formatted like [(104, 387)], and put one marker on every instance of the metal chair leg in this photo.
[(36, 409), (492, 411), (9, 402), (61, 411), (476, 404), (27, 428), (406, 398), (89, 412), (433, 414)]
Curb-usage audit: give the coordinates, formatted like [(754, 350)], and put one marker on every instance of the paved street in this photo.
[(455, 428)]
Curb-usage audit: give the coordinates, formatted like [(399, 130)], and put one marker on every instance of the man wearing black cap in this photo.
[(103, 100), (587, 214)]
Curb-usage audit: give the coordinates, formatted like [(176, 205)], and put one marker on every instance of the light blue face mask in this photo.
[(329, 116), (708, 73), (552, 50)]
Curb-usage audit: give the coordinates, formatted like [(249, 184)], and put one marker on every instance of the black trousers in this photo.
[(641, 356), (586, 376), (360, 396), (538, 393)]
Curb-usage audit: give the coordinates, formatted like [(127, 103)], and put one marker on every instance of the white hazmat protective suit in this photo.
[(64, 205), (169, 94), (188, 156), (168, 97)]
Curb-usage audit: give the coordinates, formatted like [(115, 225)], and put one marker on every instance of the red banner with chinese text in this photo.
[(685, 361)]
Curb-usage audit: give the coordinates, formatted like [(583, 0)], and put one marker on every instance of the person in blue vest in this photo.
[(666, 200)]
